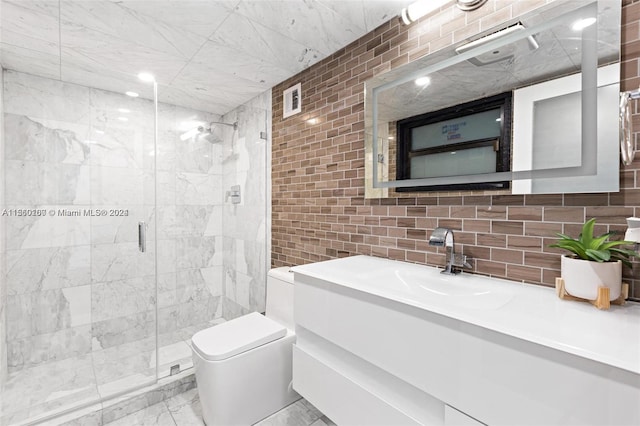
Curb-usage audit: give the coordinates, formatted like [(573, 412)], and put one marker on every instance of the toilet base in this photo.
[(248, 387)]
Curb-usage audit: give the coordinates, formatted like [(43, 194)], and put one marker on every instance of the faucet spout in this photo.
[(443, 237)]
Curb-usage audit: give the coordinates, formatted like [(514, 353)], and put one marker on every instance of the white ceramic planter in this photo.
[(583, 277)]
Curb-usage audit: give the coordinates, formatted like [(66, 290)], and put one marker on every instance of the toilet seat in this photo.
[(236, 336)]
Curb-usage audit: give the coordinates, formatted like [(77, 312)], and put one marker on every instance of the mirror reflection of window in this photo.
[(467, 139)]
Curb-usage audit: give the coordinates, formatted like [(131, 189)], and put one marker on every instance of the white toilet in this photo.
[(243, 366)]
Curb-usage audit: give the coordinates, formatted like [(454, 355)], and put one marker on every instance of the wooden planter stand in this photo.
[(602, 302)]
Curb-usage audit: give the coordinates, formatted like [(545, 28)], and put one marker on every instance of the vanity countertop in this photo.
[(530, 312)]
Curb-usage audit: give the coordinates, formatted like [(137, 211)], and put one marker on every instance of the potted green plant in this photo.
[(595, 262)]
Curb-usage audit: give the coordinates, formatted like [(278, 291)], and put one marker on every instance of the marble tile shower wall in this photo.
[(319, 209), (78, 284), (244, 163)]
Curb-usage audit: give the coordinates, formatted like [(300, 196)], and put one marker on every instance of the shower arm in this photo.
[(234, 124)]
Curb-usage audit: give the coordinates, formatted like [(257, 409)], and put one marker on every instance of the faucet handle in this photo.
[(461, 261)]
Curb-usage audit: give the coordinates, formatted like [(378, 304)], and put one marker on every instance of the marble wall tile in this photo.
[(195, 155), (197, 311), (213, 278), (117, 186), (168, 318), (120, 228), (115, 145), (167, 292), (47, 268), (191, 285), (166, 261), (117, 331), (48, 311), (245, 225), (231, 309), (47, 231), (43, 98), (29, 182), (193, 220), (198, 188), (114, 299), (120, 261), (201, 252), (37, 349), (46, 141), (162, 184)]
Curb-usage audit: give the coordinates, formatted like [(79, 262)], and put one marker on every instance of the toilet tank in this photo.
[(280, 296)]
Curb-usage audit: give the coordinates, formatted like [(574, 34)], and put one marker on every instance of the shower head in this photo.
[(207, 135)]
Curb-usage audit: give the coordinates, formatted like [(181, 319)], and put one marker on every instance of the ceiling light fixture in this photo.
[(581, 24), (420, 8), (124, 110), (146, 77), (132, 94), (423, 81), (123, 119)]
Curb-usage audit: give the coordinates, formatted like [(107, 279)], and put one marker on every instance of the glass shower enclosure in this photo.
[(87, 314), (80, 290)]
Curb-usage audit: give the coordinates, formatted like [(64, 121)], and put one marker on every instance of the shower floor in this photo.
[(61, 385)]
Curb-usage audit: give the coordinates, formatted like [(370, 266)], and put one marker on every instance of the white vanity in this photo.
[(382, 342)]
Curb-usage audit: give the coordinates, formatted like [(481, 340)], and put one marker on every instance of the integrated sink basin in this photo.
[(460, 290), (418, 285)]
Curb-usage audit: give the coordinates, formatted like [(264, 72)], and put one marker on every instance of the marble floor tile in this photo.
[(185, 408), (300, 413), (154, 415)]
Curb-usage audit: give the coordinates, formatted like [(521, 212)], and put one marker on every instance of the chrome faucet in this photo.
[(443, 237)]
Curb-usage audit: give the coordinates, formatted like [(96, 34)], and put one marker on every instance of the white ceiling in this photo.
[(211, 55)]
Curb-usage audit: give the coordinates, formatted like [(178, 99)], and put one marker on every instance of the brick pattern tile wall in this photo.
[(319, 209)]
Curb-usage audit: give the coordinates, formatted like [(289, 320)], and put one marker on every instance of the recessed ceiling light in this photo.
[(124, 110), (100, 132), (581, 24), (146, 77), (123, 119), (132, 94), (423, 81)]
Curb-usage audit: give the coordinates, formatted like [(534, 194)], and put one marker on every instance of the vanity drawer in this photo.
[(339, 398)]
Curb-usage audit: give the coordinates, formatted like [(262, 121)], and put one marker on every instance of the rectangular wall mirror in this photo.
[(441, 123)]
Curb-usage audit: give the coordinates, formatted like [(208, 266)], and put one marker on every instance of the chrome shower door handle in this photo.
[(142, 236)]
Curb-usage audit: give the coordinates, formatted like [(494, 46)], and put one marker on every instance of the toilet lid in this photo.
[(236, 336)]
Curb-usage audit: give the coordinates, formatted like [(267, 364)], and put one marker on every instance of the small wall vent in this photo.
[(292, 99)]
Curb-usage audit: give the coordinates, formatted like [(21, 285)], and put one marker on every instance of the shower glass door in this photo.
[(81, 298)]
